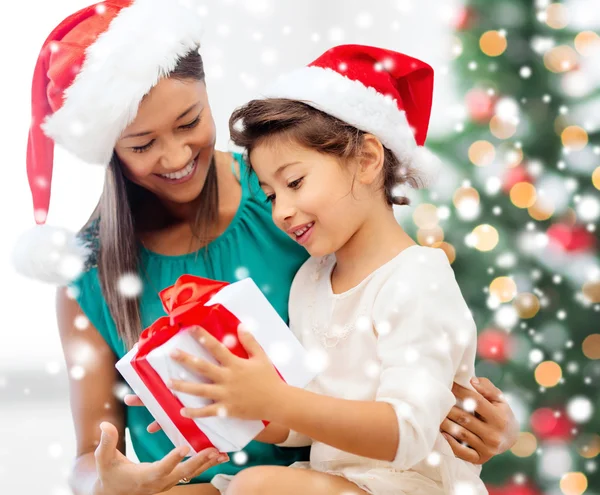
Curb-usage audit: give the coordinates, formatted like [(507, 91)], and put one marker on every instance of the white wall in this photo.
[(247, 43)]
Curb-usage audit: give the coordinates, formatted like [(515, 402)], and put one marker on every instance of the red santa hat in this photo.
[(91, 74), (382, 92)]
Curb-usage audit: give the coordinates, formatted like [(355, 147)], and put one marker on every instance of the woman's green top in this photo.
[(252, 246)]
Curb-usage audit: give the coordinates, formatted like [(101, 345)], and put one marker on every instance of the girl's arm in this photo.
[(273, 433), (365, 428)]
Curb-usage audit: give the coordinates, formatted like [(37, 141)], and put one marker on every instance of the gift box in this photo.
[(219, 308)]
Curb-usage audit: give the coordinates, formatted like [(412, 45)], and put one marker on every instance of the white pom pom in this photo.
[(50, 254), (426, 164)]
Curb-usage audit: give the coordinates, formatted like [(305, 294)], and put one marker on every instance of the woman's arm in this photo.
[(101, 467), (92, 397)]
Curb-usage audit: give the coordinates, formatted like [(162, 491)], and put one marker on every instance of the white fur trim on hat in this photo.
[(142, 44), (361, 106), (50, 254)]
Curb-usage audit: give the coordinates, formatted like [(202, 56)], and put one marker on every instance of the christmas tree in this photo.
[(519, 222)]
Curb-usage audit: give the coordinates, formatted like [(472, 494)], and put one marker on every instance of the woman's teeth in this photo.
[(303, 229), (180, 174)]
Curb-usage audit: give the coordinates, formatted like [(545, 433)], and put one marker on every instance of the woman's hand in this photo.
[(488, 431), (241, 388), (117, 475)]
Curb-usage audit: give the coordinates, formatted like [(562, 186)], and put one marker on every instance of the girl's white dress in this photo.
[(401, 336)]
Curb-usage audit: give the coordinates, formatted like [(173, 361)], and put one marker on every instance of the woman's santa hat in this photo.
[(90, 77), (382, 92)]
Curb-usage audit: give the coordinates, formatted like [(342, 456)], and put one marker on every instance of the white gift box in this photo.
[(248, 304)]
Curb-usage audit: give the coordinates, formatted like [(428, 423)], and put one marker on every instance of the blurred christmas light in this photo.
[(425, 216), (527, 305), (525, 72), (573, 484), (526, 445), (511, 155), (480, 105), (485, 237), (574, 137), (501, 128), (577, 84), (555, 459), (548, 374), (448, 250), (580, 409), (482, 153), (523, 195), (557, 16), (587, 43), (591, 346), (431, 236), (506, 317), (493, 43), (588, 209), (541, 210), (466, 202), (596, 178), (495, 345), (588, 446), (561, 58), (503, 288)]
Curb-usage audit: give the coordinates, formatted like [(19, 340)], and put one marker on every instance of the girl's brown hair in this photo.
[(126, 209), (258, 120)]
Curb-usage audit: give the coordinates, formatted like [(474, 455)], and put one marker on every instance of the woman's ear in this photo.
[(371, 160)]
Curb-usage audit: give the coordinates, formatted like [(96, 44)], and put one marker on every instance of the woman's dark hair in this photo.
[(259, 120), (126, 209)]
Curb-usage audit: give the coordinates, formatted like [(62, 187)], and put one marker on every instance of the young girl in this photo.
[(383, 318)]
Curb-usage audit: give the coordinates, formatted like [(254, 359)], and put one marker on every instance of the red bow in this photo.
[(184, 302)]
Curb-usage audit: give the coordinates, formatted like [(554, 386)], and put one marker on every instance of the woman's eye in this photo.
[(296, 184), (141, 149), (270, 198), (192, 124)]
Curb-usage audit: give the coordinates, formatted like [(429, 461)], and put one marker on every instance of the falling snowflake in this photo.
[(580, 409), (53, 368), (279, 353), (130, 285), (364, 20), (77, 372), (464, 488), (434, 459), (81, 322), (316, 360), (372, 369), (241, 273), (55, 450), (240, 458), (230, 341)]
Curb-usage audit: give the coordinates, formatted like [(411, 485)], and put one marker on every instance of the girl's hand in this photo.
[(491, 430), (241, 388), (117, 475)]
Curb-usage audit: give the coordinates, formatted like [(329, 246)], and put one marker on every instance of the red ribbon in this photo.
[(184, 302)]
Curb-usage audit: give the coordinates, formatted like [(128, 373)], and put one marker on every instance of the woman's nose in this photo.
[(176, 156)]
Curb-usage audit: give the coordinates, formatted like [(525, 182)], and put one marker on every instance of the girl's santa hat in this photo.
[(382, 92), (91, 74)]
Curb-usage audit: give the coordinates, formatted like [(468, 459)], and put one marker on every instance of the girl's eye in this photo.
[(192, 124), (296, 184), (141, 149)]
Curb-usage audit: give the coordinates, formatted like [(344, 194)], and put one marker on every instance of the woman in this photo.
[(121, 83)]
